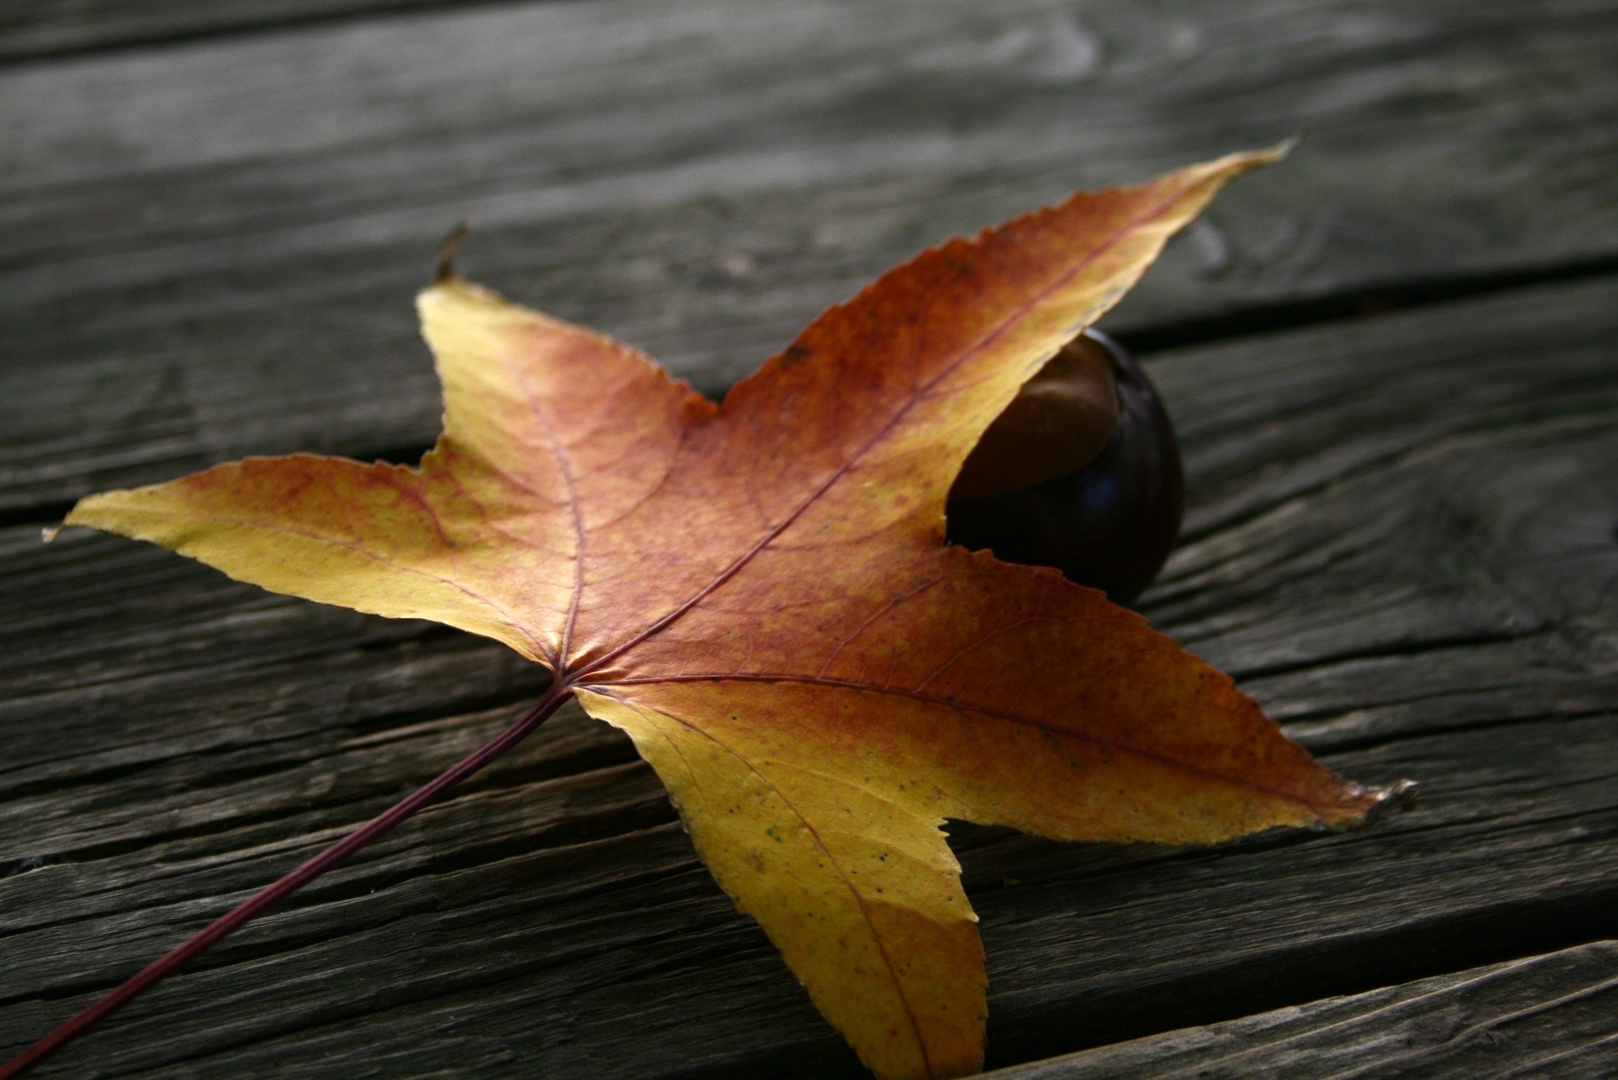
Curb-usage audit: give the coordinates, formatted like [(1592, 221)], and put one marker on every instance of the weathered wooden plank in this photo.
[(210, 249), (1543, 1016), (174, 739), (619, 957), (43, 28), (1370, 460)]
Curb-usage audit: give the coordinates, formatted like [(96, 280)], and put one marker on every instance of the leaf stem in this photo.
[(559, 692)]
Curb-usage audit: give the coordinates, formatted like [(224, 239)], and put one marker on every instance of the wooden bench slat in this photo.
[(1548, 1015), (1435, 485), (210, 249), (41, 29)]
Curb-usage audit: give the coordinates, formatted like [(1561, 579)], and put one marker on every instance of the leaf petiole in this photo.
[(228, 924)]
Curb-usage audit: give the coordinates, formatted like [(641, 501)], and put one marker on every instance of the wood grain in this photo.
[(1542, 1016), (210, 247), (1402, 538), (1403, 542), (35, 29)]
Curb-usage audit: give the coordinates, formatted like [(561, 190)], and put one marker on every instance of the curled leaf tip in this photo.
[(48, 534), (1233, 165), (1283, 148), (1402, 795), (445, 270)]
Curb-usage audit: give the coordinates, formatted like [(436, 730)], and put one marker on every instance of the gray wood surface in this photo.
[(210, 248), (1402, 538), (1542, 1016), (50, 29), (1416, 579)]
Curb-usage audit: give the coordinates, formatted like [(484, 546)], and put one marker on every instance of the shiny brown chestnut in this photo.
[(1080, 472)]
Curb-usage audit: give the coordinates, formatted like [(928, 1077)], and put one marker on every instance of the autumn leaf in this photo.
[(760, 594)]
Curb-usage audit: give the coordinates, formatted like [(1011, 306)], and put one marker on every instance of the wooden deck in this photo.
[(1393, 360)]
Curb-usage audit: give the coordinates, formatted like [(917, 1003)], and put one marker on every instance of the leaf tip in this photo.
[(1233, 165), (82, 515), (1269, 155), (1401, 795), (445, 270), (74, 517)]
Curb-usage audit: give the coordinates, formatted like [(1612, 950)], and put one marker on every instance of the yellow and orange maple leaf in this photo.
[(760, 594)]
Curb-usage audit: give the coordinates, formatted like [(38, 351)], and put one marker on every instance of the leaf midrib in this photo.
[(574, 677), (1318, 809)]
